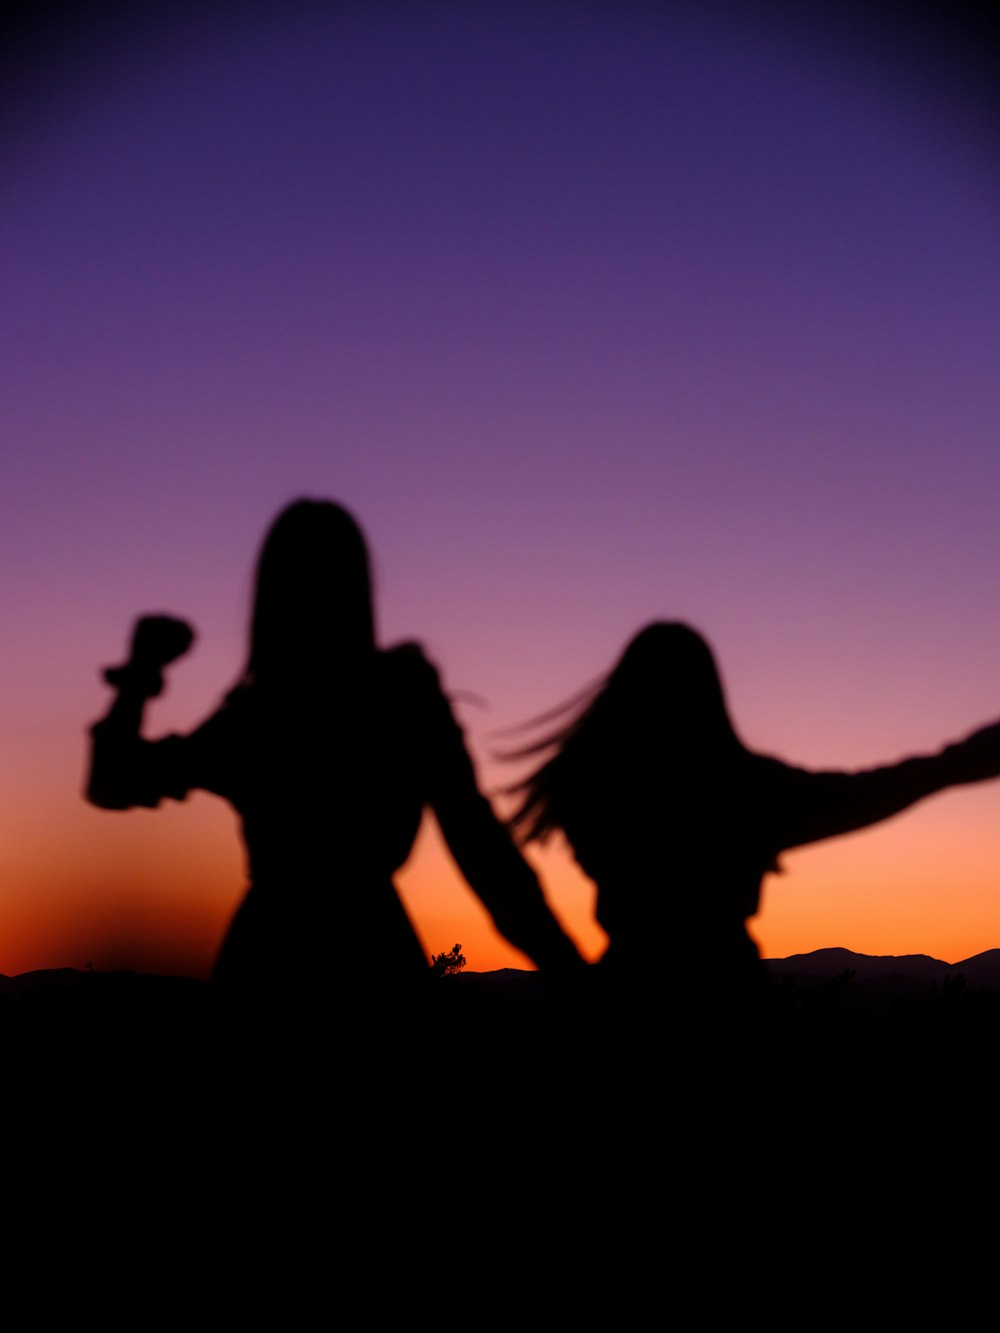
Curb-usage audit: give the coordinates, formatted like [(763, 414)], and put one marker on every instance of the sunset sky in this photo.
[(592, 314)]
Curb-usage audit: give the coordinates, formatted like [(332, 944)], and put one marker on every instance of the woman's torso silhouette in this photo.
[(329, 757), (330, 796), (677, 822)]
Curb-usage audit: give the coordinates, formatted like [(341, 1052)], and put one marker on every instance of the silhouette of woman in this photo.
[(677, 821), (329, 748)]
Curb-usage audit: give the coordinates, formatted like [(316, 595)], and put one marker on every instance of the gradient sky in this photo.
[(592, 314)]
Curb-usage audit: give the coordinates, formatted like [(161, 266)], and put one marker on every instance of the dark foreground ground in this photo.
[(500, 1147)]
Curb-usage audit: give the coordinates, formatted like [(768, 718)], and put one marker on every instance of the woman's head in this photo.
[(658, 716), (312, 611), (667, 680)]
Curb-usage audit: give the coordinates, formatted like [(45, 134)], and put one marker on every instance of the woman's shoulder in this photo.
[(769, 776), (237, 701), (412, 687), (408, 663), (230, 715)]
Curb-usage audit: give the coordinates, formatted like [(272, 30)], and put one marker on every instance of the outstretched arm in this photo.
[(123, 770), (482, 847), (824, 805)]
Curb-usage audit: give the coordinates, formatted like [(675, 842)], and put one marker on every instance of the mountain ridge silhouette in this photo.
[(981, 969)]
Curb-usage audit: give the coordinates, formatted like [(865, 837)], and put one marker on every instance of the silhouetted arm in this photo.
[(125, 769), (824, 805), (481, 846)]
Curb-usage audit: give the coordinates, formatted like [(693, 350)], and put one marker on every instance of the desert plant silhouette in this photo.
[(448, 964)]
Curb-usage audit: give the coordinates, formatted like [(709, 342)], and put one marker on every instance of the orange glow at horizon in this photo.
[(159, 887), (924, 882)]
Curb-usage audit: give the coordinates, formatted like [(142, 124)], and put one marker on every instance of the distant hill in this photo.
[(982, 970), (523, 990), (825, 964), (69, 978)]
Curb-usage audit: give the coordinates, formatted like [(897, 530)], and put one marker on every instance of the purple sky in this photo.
[(592, 314)]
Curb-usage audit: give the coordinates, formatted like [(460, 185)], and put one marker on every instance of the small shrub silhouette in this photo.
[(448, 964)]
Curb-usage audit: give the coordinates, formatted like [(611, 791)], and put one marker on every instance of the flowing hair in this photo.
[(313, 615), (661, 709)]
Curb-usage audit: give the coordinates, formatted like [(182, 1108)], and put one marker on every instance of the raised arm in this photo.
[(481, 846), (824, 805), (126, 770)]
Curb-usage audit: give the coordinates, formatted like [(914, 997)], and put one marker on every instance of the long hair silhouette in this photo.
[(665, 690), (313, 614), (329, 748), (677, 821)]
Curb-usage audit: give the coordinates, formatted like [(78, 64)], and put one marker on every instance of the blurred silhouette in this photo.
[(677, 821), (329, 748)]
